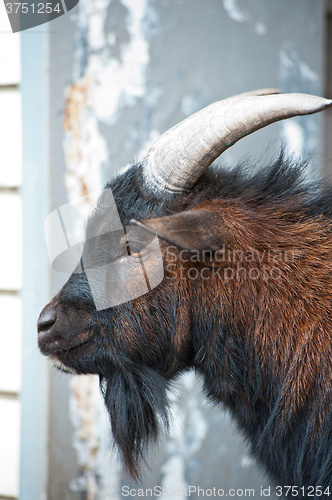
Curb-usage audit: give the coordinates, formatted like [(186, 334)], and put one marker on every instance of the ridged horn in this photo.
[(179, 157)]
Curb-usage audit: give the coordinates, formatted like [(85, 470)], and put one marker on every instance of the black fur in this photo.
[(138, 347)]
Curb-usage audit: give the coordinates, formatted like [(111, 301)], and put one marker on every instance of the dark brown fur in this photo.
[(245, 301)]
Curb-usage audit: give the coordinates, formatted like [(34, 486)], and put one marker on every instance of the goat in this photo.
[(245, 301)]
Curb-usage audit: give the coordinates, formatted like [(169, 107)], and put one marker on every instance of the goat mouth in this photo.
[(61, 366), (76, 359), (57, 351), (69, 350)]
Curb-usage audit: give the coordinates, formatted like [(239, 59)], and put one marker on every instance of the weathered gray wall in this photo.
[(121, 73)]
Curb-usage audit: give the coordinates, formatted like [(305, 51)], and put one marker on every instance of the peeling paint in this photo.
[(116, 81), (82, 413), (84, 148), (260, 29), (88, 416), (188, 432), (119, 83), (174, 476), (234, 11), (300, 135), (192, 103), (246, 461), (292, 136), (237, 15), (295, 75), (307, 73)]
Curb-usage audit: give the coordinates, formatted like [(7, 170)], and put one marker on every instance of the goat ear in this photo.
[(190, 230)]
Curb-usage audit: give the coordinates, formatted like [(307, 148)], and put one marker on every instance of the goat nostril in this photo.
[(46, 320)]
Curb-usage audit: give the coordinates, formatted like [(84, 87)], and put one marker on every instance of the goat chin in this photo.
[(60, 366)]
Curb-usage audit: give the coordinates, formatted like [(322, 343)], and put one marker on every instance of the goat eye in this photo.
[(137, 241), (134, 254), (132, 249), (104, 249), (135, 250)]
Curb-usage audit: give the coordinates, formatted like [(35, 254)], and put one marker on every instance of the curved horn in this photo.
[(180, 156)]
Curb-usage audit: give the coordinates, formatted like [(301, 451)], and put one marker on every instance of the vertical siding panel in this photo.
[(11, 137), (11, 256), (11, 344), (10, 446), (11, 244)]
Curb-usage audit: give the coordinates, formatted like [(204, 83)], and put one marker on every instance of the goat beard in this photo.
[(137, 403)]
